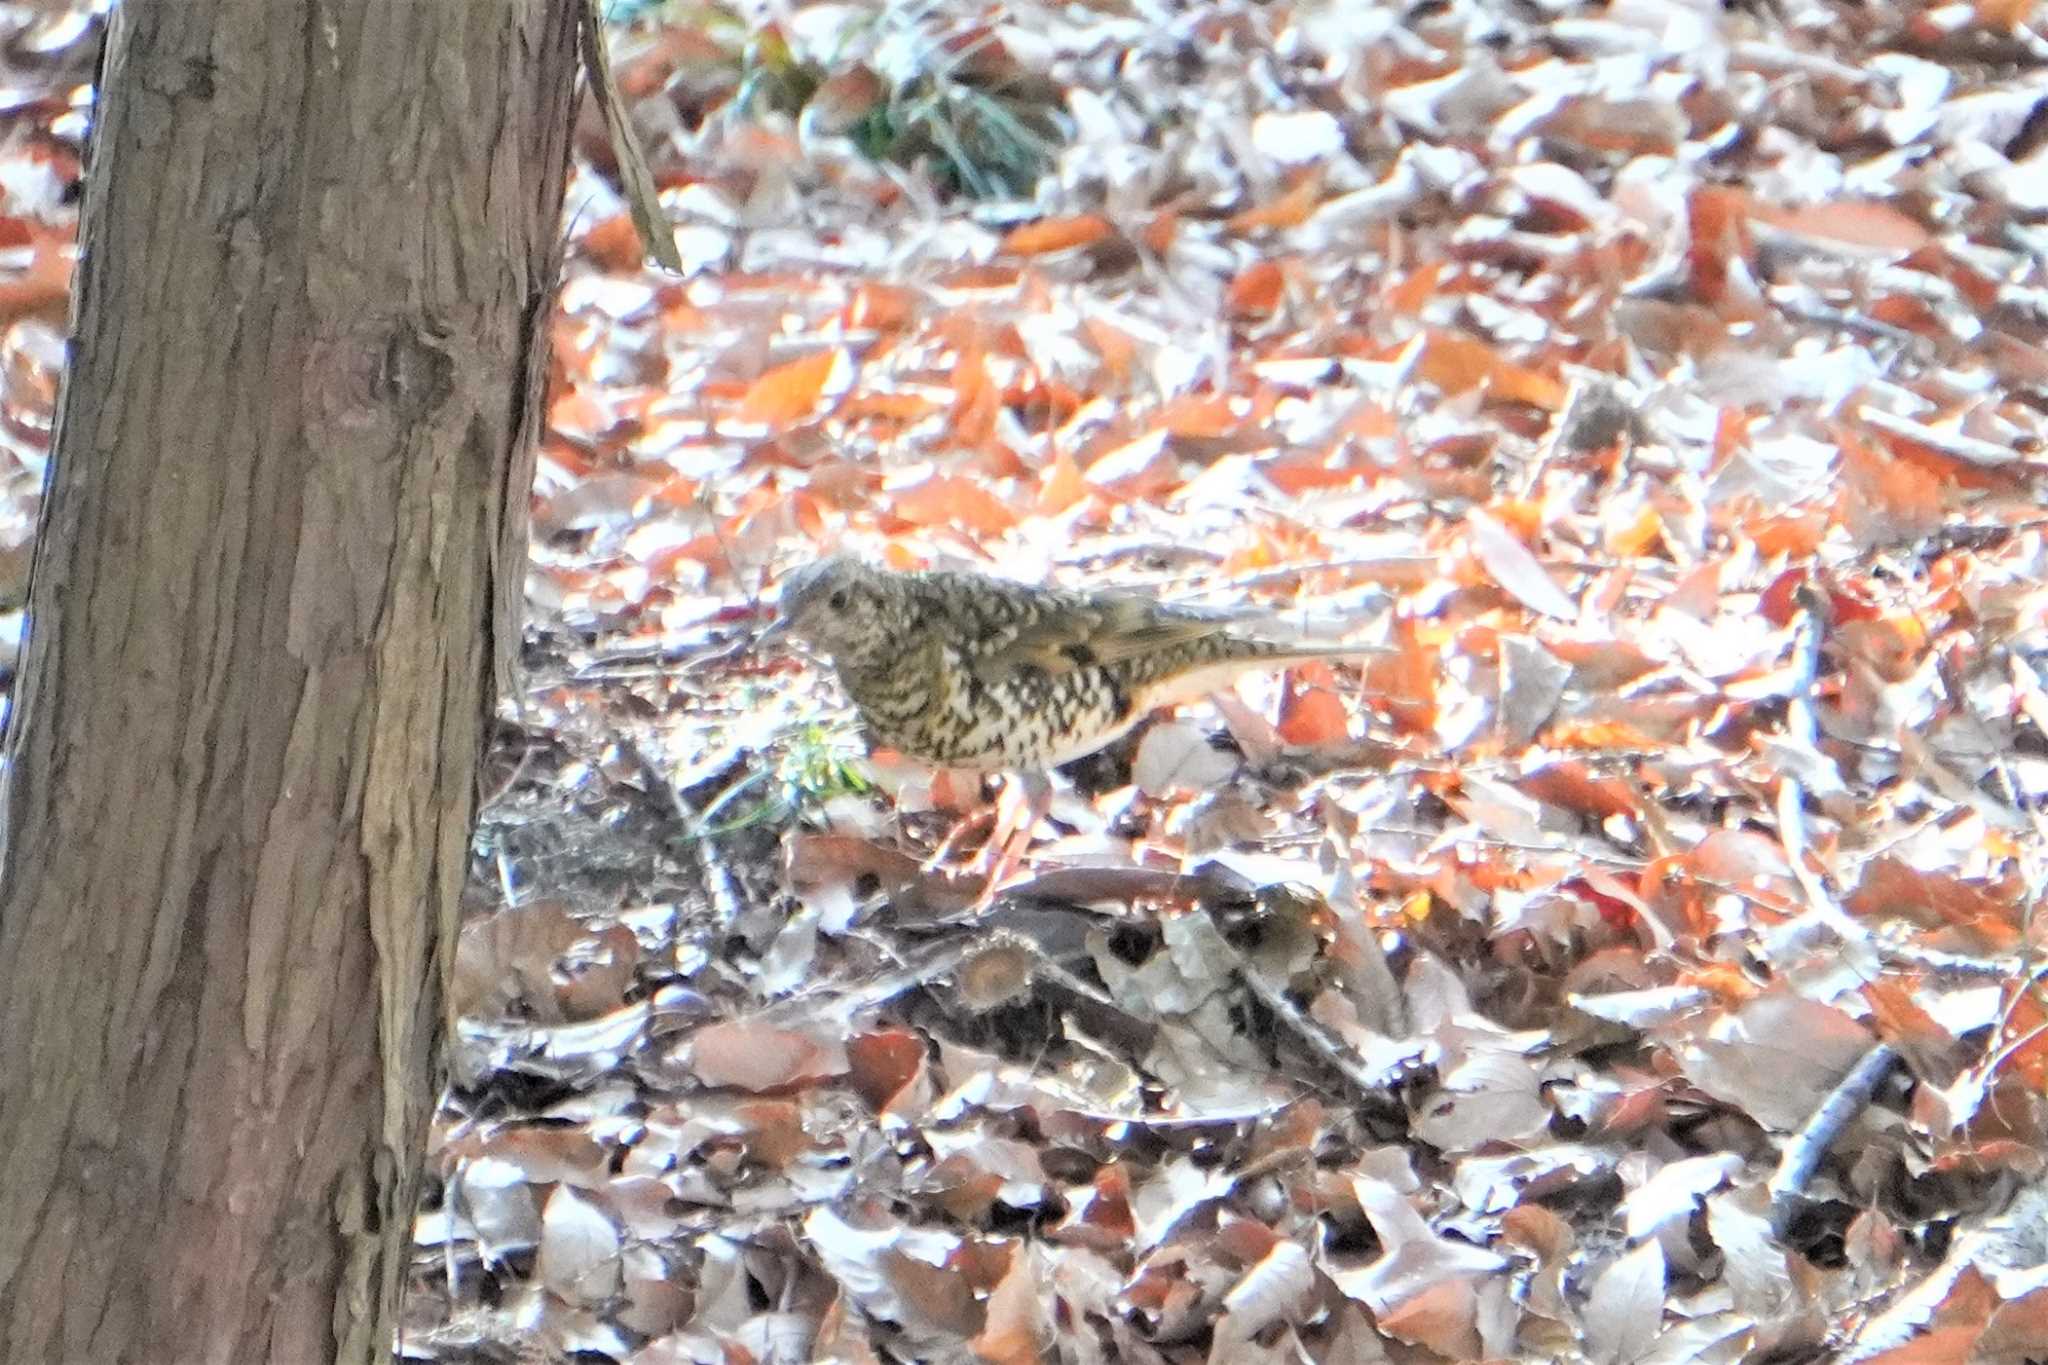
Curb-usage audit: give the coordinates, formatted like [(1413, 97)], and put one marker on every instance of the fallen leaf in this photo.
[(1625, 1309), (1048, 235), (757, 1057), (1291, 209), (947, 500), (1257, 290), (1510, 564), (1177, 757), (1457, 363), (791, 390)]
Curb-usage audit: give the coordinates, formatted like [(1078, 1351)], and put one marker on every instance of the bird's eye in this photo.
[(837, 601)]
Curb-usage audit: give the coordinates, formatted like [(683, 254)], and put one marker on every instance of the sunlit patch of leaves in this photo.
[(1708, 718)]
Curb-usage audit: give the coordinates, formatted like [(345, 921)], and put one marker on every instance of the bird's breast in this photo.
[(960, 711)]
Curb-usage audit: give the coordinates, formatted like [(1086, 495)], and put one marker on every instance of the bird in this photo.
[(960, 669)]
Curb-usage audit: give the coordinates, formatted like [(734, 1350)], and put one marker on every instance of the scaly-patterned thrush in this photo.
[(964, 670)]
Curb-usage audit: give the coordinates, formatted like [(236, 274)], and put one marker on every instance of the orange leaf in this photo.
[(843, 100), (1795, 534), (679, 491), (1457, 363), (1256, 290), (1718, 235), (1731, 434), (614, 244), (2009, 15), (1303, 472), (44, 288), (1048, 235), (1157, 235), (1312, 713), (1888, 499), (1891, 645), (1117, 347), (894, 407), (1523, 516), (1199, 414), (1576, 787), (1416, 289), (789, 391), (976, 402), (987, 275), (880, 307), (1289, 210), (946, 500), (1892, 889), (1598, 736), (1630, 536), (1063, 486), (576, 413)]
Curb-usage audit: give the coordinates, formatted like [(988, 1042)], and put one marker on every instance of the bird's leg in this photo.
[(1025, 801), (945, 795), (936, 859)]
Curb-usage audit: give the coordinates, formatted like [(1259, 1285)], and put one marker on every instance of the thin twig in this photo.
[(1809, 1146)]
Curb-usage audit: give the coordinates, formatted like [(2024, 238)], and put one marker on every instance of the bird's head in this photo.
[(849, 611)]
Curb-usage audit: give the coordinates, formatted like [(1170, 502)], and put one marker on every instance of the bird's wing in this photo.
[(1061, 631)]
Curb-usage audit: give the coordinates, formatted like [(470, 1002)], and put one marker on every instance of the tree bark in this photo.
[(281, 553)]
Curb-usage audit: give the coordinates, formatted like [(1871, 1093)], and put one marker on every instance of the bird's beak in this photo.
[(774, 634)]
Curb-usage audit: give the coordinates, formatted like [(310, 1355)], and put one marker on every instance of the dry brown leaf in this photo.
[(43, 289), (1017, 1327), (1892, 889), (507, 958), (843, 99), (882, 1066), (1934, 1053), (1863, 223)]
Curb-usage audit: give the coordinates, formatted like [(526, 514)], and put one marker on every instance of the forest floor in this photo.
[(1639, 963)]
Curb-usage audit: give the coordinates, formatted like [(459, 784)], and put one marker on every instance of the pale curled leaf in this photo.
[(1515, 569), (1177, 757), (1626, 1307), (1271, 1290), (579, 1248)]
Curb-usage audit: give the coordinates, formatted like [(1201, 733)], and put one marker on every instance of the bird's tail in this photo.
[(1230, 658)]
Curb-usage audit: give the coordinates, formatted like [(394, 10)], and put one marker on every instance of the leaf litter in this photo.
[(1638, 962)]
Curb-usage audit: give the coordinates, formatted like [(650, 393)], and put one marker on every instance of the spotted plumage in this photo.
[(968, 671)]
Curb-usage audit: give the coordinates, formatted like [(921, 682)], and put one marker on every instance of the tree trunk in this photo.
[(281, 552)]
